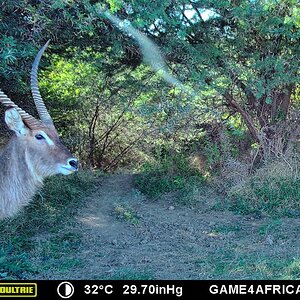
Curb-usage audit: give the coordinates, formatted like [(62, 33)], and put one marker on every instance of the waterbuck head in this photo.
[(33, 153)]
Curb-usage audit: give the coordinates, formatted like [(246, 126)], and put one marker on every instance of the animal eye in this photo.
[(39, 137)]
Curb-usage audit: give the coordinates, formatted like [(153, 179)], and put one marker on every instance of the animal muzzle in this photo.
[(73, 163), (70, 167)]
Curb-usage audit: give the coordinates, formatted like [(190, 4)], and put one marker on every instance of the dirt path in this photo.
[(126, 236)]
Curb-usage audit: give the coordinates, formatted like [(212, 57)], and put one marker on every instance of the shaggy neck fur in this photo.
[(18, 180)]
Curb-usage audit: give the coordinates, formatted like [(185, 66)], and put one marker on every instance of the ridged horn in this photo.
[(39, 103), (29, 119)]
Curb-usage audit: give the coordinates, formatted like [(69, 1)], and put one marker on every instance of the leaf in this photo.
[(269, 100), (115, 5)]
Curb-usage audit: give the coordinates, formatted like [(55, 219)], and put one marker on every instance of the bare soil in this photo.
[(124, 235)]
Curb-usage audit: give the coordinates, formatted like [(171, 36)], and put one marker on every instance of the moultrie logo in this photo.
[(20, 290)]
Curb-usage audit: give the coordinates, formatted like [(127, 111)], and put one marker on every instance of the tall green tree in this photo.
[(242, 55), (25, 25), (246, 51)]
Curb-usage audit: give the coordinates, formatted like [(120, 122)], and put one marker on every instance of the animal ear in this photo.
[(15, 122)]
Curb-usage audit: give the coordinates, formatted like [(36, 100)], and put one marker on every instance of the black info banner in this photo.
[(142, 289)]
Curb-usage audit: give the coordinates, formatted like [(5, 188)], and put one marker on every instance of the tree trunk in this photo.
[(245, 115), (270, 130)]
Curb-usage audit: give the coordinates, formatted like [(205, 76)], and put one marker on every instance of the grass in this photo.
[(131, 274), (40, 239), (255, 249), (47, 217), (254, 266), (251, 257), (170, 174), (126, 213), (273, 225), (274, 190), (227, 228)]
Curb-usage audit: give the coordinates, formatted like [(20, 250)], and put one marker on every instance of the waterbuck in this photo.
[(33, 153)]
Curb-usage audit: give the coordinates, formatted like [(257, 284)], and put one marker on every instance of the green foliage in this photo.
[(244, 52), (169, 173), (106, 116), (240, 59), (212, 153), (249, 57), (115, 5), (126, 213), (12, 264)]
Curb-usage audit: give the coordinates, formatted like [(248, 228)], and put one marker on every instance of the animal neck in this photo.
[(18, 181)]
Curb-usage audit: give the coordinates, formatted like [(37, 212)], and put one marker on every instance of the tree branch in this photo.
[(247, 118)]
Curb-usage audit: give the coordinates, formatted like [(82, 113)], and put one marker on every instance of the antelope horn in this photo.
[(39, 103), (29, 119)]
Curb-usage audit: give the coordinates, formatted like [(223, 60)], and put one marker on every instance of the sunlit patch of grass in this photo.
[(126, 213)]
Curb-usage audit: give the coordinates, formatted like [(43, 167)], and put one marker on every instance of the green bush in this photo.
[(168, 174)]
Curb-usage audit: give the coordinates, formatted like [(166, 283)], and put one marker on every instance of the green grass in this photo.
[(47, 216), (227, 228), (229, 264), (272, 192), (171, 174), (131, 274), (271, 226), (256, 250), (126, 213)]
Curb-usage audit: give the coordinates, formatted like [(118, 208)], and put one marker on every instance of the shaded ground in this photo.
[(126, 236)]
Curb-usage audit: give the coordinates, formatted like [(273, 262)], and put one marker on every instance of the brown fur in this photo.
[(24, 162)]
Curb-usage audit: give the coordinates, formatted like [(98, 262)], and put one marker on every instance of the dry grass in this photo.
[(274, 189)]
